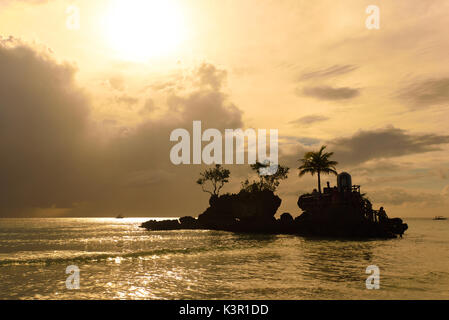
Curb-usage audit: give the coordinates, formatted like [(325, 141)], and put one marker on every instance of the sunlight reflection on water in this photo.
[(119, 260)]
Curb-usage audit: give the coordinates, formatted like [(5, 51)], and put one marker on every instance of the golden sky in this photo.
[(87, 105)]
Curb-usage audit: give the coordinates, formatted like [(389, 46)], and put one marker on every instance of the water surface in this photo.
[(119, 260)]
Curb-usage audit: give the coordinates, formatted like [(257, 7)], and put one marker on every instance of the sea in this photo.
[(108, 258)]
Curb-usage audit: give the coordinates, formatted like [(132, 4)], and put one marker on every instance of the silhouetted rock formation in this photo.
[(242, 211), (337, 212), (161, 225), (286, 218), (344, 214), (188, 222)]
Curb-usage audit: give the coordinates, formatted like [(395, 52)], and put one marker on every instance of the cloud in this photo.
[(165, 86), (309, 120), (329, 93), (126, 99), (148, 107), (367, 151), (442, 173), (117, 83), (147, 178), (334, 70), (43, 129), (25, 1), (141, 175), (426, 93), (384, 143), (395, 178), (307, 141), (400, 196), (52, 156), (445, 191), (209, 75), (109, 122), (377, 166)]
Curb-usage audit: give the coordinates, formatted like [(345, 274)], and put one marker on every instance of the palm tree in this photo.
[(317, 162)]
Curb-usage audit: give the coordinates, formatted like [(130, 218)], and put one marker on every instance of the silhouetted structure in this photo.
[(345, 212), (340, 211)]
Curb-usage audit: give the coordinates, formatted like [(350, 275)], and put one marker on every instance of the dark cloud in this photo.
[(357, 150), (426, 93), (393, 178), (290, 157), (309, 120), (142, 178), (329, 93), (52, 157), (43, 130), (334, 70), (384, 143), (307, 141), (399, 196), (379, 166)]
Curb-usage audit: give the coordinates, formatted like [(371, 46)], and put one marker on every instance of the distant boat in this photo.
[(119, 217), (439, 218)]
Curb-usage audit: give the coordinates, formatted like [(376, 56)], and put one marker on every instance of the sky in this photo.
[(91, 90)]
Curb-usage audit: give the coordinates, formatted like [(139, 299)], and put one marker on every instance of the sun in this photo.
[(144, 29)]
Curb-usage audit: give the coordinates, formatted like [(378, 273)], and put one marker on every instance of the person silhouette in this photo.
[(382, 215)]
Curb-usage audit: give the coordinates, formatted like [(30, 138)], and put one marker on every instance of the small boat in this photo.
[(439, 218), (119, 217)]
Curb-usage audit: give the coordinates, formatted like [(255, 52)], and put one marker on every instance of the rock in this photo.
[(343, 214), (333, 214), (188, 222), (161, 225), (286, 218), (286, 223), (242, 211)]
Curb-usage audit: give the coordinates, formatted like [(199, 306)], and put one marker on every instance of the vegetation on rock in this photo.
[(216, 176), (317, 162)]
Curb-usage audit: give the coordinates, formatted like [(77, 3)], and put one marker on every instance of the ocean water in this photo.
[(119, 260)]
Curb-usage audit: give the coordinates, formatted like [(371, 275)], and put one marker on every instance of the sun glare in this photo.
[(144, 29)]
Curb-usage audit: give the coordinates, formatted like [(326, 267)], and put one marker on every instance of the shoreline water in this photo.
[(119, 260)]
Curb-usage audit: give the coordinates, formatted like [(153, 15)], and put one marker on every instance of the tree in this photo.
[(317, 162), (217, 177), (266, 181)]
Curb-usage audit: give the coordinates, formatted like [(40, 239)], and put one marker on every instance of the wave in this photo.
[(101, 256), (83, 257)]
